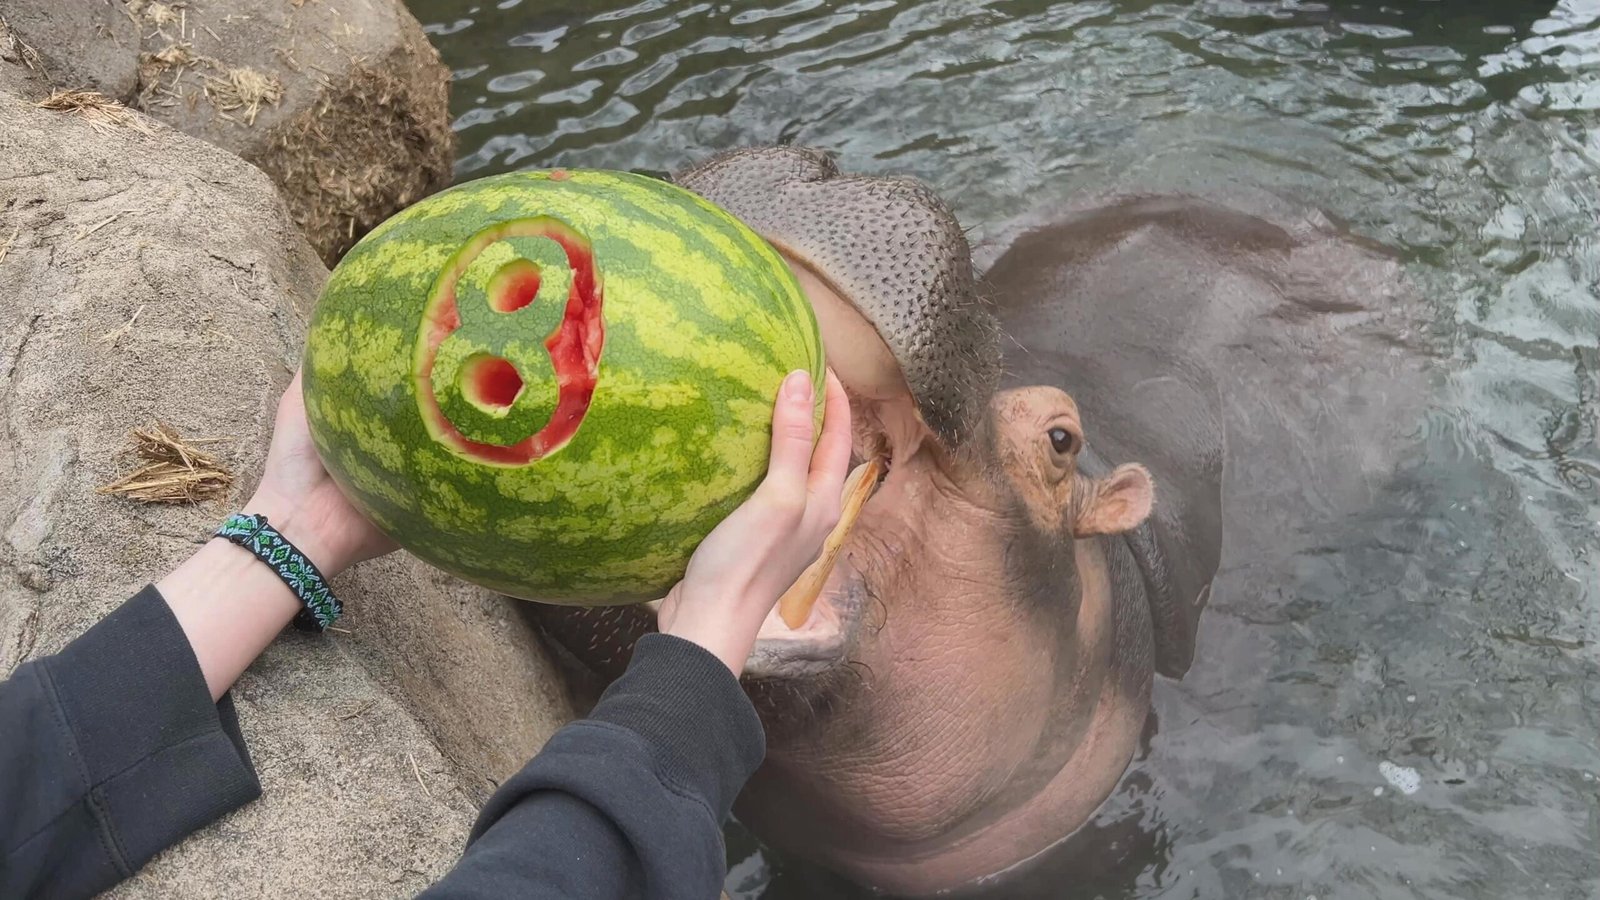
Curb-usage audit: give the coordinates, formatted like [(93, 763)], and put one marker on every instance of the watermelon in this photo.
[(555, 384)]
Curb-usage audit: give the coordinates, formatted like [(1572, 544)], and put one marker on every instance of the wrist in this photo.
[(720, 635), (716, 644), (302, 526), (230, 606)]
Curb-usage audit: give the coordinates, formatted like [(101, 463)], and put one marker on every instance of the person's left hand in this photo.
[(302, 502)]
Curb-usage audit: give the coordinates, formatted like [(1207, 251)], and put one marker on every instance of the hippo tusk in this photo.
[(794, 607)]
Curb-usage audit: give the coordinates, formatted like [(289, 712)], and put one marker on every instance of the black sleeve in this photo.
[(628, 802), (111, 751)]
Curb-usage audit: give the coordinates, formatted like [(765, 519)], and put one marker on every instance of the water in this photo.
[(1430, 726)]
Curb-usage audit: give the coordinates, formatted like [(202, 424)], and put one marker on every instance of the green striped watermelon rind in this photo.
[(702, 320)]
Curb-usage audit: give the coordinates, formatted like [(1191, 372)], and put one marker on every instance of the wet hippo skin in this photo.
[(1099, 439), (1271, 376)]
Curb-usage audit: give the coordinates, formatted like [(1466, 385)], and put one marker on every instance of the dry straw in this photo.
[(175, 470), (100, 112), (244, 88)]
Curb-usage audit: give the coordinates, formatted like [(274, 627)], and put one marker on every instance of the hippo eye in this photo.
[(1063, 441)]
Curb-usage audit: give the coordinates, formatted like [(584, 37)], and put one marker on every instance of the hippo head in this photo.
[(888, 271), (968, 470), (967, 652)]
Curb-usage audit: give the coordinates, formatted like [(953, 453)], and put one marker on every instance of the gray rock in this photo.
[(343, 103), (71, 44)]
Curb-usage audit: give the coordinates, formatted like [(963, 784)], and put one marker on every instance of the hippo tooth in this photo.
[(795, 605)]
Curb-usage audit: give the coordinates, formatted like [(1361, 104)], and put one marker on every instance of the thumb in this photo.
[(792, 431)]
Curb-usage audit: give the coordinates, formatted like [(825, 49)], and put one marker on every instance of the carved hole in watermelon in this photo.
[(490, 383), (514, 285)]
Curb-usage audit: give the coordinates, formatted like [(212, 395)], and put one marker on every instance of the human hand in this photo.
[(745, 564), (302, 502)]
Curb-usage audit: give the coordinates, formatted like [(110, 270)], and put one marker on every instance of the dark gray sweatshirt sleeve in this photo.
[(628, 802), (111, 751)]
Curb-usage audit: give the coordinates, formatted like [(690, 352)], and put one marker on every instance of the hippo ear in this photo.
[(1116, 504)]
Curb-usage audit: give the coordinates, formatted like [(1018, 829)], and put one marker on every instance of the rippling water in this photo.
[(1460, 638)]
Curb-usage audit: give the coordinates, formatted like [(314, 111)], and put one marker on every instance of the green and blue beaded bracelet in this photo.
[(253, 533)]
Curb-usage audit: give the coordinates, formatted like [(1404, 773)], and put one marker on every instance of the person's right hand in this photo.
[(741, 569)]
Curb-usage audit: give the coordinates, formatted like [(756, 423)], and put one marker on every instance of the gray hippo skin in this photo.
[(978, 675)]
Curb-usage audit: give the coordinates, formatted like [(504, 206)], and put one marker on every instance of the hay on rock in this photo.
[(244, 89), (100, 112), (174, 470), (158, 14)]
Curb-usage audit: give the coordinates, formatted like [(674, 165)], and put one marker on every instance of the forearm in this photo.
[(231, 605), (125, 742), (626, 803), (118, 746)]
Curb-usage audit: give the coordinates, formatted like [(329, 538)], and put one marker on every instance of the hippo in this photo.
[(1067, 445)]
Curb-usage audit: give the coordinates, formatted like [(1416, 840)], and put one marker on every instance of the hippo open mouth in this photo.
[(888, 270)]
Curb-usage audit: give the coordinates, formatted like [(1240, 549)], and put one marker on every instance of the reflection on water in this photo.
[(1453, 630)]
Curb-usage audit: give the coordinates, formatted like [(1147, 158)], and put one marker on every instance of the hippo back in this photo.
[(1242, 361)]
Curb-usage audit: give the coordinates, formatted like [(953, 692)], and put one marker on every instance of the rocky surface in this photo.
[(343, 103), (144, 276), (74, 44)]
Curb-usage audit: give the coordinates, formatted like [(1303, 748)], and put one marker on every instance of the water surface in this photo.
[(1454, 631)]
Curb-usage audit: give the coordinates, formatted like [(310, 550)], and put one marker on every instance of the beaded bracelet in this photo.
[(254, 534)]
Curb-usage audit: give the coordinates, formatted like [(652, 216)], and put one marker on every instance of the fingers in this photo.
[(291, 404), (792, 430), (830, 462), (292, 391)]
